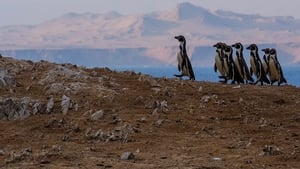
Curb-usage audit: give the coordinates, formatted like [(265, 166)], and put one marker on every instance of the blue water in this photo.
[(291, 73)]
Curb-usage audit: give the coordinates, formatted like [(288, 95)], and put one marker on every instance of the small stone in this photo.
[(127, 156), (237, 87), (241, 100), (143, 120), (217, 159), (139, 100), (205, 99), (97, 115), (156, 90), (200, 89), (2, 152), (159, 122), (44, 161), (65, 104), (50, 105), (270, 151)]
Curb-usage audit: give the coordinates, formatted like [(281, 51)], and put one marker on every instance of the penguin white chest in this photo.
[(237, 63), (274, 75), (220, 65), (253, 66)]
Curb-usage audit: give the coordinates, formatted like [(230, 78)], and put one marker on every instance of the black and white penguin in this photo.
[(241, 63), (220, 61), (256, 65), (275, 70), (265, 61), (231, 67), (184, 64)]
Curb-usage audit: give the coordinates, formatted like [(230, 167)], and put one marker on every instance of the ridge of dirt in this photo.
[(163, 123)]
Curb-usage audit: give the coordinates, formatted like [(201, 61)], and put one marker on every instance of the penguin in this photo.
[(256, 65), (266, 59), (275, 70), (233, 72), (241, 64), (220, 61), (184, 64)]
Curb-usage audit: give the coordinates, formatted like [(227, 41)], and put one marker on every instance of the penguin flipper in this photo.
[(251, 71), (190, 68), (215, 67)]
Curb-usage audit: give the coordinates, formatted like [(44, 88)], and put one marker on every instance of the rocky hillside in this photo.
[(65, 116)]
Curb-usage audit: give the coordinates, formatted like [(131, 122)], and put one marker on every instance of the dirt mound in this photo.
[(65, 116)]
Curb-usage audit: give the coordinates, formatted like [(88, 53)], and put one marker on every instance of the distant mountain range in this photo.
[(148, 39)]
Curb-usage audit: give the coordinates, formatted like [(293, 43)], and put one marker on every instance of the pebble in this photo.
[(97, 115), (217, 159), (127, 156), (2, 152)]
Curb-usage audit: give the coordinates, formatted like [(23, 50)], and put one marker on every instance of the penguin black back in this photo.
[(221, 61), (233, 72), (256, 65), (241, 64), (275, 70), (184, 63)]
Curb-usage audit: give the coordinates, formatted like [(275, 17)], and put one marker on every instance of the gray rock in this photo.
[(37, 108), (205, 99), (159, 122), (6, 79), (55, 88), (270, 151), (50, 105), (2, 153), (97, 115), (65, 104), (127, 156)]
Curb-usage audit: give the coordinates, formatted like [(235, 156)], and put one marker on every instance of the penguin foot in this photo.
[(178, 75), (223, 81), (222, 77)]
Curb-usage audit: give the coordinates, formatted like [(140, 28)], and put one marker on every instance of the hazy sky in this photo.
[(37, 11)]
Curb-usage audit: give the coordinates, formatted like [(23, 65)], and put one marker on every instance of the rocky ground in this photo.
[(65, 116)]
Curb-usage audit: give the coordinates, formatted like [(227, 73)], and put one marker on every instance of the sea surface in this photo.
[(291, 73)]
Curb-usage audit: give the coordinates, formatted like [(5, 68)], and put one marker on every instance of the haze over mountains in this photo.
[(148, 39)]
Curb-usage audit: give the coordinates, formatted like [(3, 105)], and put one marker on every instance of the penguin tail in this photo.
[(284, 80), (250, 79), (266, 80)]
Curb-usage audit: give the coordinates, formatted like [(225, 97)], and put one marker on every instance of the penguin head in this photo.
[(266, 50), (228, 49), (273, 54), (180, 38), (228, 52), (238, 45), (220, 45), (252, 47), (273, 51)]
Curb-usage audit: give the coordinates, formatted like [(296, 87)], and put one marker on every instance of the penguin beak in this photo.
[(215, 45), (176, 37), (248, 47), (233, 45), (263, 50)]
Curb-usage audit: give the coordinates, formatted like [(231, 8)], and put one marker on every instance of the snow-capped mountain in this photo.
[(152, 34)]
